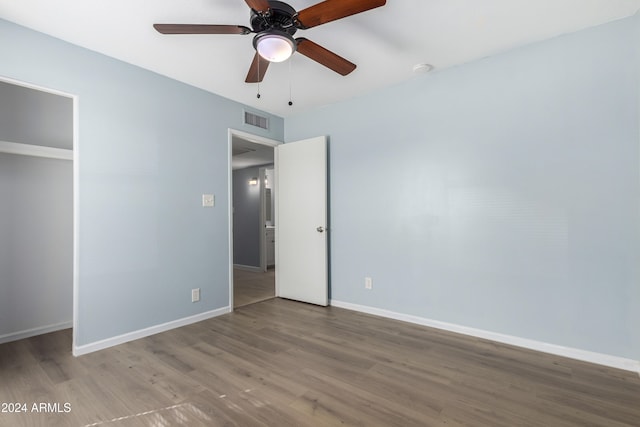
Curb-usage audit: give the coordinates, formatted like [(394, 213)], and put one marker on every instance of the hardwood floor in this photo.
[(250, 287), (282, 363)]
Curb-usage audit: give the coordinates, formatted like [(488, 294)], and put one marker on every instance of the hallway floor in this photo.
[(250, 287)]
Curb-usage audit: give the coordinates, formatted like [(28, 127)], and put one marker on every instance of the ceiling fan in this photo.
[(274, 24)]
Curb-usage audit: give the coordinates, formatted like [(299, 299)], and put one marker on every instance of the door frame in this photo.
[(257, 140)]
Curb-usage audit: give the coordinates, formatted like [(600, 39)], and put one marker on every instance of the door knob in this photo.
[(320, 229)]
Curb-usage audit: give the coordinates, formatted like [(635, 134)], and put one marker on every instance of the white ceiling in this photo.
[(385, 43)]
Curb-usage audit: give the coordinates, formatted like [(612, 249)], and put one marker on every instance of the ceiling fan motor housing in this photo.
[(280, 17)]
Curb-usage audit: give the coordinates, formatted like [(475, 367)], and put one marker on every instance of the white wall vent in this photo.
[(256, 120)]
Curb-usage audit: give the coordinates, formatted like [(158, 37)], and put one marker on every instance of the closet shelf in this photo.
[(35, 150)]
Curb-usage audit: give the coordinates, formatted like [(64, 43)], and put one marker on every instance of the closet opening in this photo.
[(37, 228)]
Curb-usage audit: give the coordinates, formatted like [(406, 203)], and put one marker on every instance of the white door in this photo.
[(301, 221)]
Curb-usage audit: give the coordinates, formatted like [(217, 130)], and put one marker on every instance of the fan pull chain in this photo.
[(290, 100), (258, 94)]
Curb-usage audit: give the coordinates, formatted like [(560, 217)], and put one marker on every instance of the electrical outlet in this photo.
[(195, 295), (368, 283)]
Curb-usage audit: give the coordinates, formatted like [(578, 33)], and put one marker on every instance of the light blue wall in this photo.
[(148, 148), (502, 195)]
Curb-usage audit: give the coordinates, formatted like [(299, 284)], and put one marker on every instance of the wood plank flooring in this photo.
[(282, 363), (250, 287)]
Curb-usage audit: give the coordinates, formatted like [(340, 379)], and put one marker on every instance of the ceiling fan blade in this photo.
[(325, 57), (257, 70), (258, 5), (330, 10), (200, 29)]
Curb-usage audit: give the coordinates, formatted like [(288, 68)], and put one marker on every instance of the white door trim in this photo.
[(255, 139)]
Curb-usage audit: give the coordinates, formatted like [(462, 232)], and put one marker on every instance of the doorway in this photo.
[(252, 228), (38, 231)]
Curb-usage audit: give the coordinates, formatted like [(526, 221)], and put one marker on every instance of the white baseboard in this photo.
[(130, 336), (15, 336), (573, 353), (248, 268)]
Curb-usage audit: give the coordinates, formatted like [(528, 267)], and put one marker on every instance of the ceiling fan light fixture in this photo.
[(274, 46)]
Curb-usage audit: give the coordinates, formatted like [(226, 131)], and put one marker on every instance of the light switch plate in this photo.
[(208, 200)]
